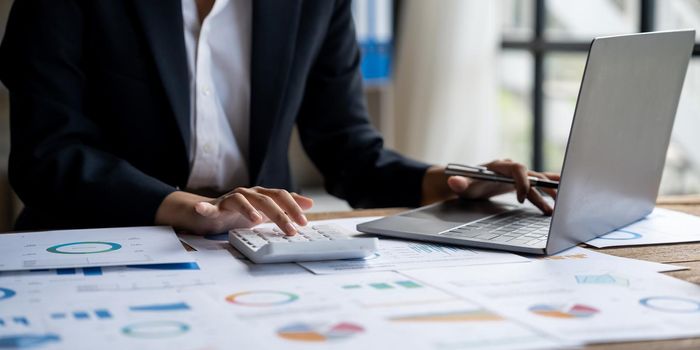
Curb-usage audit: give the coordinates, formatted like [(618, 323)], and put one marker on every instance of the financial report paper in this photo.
[(90, 247)]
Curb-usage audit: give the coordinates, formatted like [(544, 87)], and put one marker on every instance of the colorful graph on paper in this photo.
[(477, 315), (155, 329), (564, 311), (262, 298), (319, 332), (90, 248), (671, 304)]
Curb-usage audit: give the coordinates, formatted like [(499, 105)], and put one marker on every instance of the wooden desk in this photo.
[(685, 254)]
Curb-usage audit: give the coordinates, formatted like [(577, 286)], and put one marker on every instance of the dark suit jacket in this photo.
[(100, 108)]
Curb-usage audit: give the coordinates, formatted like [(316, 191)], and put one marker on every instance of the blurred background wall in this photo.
[(473, 80)]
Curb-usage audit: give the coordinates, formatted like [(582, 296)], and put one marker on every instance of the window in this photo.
[(547, 40)]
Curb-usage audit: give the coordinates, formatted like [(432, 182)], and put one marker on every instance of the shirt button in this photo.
[(207, 147), (206, 91)]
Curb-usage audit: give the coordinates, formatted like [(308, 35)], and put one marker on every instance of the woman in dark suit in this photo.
[(132, 112)]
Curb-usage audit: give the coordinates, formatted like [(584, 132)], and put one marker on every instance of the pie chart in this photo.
[(564, 310), (319, 332)]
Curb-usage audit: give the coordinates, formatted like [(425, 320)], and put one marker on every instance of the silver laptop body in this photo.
[(613, 162)]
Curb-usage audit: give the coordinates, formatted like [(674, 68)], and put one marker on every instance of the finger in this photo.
[(273, 211), (304, 202), (237, 202), (518, 173), (207, 210), (285, 201), (552, 176), (535, 198), (550, 191), (457, 184)]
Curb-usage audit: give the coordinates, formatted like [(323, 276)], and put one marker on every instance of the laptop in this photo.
[(613, 163)]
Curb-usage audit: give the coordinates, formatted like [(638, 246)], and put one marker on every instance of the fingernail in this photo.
[(290, 229), (254, 216), (303, 220)]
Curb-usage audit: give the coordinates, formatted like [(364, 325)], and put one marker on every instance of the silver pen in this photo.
[(481, 173)]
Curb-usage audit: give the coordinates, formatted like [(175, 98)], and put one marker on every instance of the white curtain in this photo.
[(446, 81)]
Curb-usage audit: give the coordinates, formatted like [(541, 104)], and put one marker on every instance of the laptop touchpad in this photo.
[(460, 211)]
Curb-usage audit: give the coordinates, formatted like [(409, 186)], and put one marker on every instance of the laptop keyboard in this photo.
[(512, 227)]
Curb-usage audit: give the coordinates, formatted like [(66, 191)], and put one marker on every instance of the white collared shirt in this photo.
[(218, 57)]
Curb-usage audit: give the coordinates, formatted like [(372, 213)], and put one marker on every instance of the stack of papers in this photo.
[(138, 288)]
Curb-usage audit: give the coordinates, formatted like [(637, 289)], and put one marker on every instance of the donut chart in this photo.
[(671, 304), (262, 298), (93, 247), (621, 235)]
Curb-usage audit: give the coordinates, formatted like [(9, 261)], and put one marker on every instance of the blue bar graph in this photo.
[(24, 341), (100, 314), (20, 320), (174, 266), (81, 315), (161, 307), (92, 271), (58, 315), (103, 314), (98, 271)]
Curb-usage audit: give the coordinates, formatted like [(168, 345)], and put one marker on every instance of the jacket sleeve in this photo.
[(335, 130), (59, 165)]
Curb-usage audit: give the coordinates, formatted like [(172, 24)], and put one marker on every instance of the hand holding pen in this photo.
[(503, 176)]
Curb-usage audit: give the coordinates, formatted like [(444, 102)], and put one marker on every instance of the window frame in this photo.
[(540, 47)]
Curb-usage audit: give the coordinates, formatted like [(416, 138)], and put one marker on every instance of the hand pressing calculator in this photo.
[(311, 243)]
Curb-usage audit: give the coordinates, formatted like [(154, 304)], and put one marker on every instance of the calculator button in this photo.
[(305, 230), (315, 236), (274, 239), (256, 241), (297, 238)]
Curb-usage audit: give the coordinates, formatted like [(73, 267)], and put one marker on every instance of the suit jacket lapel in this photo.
[(274, 34), (163, 26)]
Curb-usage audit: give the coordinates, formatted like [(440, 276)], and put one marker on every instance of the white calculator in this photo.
[(311, 243)]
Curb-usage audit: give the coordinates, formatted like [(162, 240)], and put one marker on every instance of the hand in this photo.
[(478, 189), (242, 207)]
